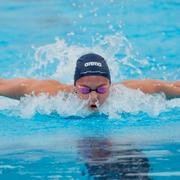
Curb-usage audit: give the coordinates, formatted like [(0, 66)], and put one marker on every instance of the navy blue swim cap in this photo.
[(91, 64)]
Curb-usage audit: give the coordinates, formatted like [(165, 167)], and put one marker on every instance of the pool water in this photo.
[(134, 135)]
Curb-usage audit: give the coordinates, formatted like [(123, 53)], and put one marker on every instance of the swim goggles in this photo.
[(86, 90)]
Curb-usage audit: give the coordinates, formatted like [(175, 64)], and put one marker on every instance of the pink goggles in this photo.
[(86, 90)]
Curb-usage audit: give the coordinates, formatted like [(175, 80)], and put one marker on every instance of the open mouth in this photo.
[(93, 106)]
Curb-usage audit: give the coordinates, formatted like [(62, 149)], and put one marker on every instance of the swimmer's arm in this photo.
[(16, 88), (150, 86)]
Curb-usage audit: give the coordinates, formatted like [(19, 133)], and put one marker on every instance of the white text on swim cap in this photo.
[(93, 64)]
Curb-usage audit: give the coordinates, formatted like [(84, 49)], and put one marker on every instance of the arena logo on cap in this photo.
[(93, 64)]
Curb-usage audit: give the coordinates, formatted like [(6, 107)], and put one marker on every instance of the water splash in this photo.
[(57, 60), (63, 104), (121, 100), (132, 101)]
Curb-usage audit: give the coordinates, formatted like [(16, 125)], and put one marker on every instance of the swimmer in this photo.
[(92, 82)]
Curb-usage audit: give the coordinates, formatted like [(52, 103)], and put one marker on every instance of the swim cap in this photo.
[(89, 65)]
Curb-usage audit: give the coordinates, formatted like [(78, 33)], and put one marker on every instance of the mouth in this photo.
[(93, 106)]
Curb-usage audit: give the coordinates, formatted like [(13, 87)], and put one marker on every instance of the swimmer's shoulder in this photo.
[(145, 85), (51, 87), (17, 88)]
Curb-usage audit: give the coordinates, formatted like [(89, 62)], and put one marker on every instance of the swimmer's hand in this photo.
[(150, 86), (16, 88)]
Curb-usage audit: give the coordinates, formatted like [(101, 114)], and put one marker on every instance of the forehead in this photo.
[(95, 80)]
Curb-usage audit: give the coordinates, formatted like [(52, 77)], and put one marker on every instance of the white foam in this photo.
[(64, 104), (57, 60), (123, 99), (6, 103)]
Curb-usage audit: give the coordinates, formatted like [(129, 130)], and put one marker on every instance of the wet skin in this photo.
[(94, 98), (16, 88)]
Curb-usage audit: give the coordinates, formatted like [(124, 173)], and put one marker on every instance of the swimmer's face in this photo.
[(93, 88)]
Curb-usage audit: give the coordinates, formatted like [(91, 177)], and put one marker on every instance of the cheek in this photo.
[(83, 96), (103, 97)]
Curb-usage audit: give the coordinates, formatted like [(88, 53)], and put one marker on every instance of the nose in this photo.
[(93, 96)]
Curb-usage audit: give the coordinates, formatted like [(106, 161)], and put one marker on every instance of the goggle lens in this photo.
[(85, 90), (101, 89)]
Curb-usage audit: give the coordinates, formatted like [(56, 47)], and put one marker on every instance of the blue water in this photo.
[(135, 136)]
